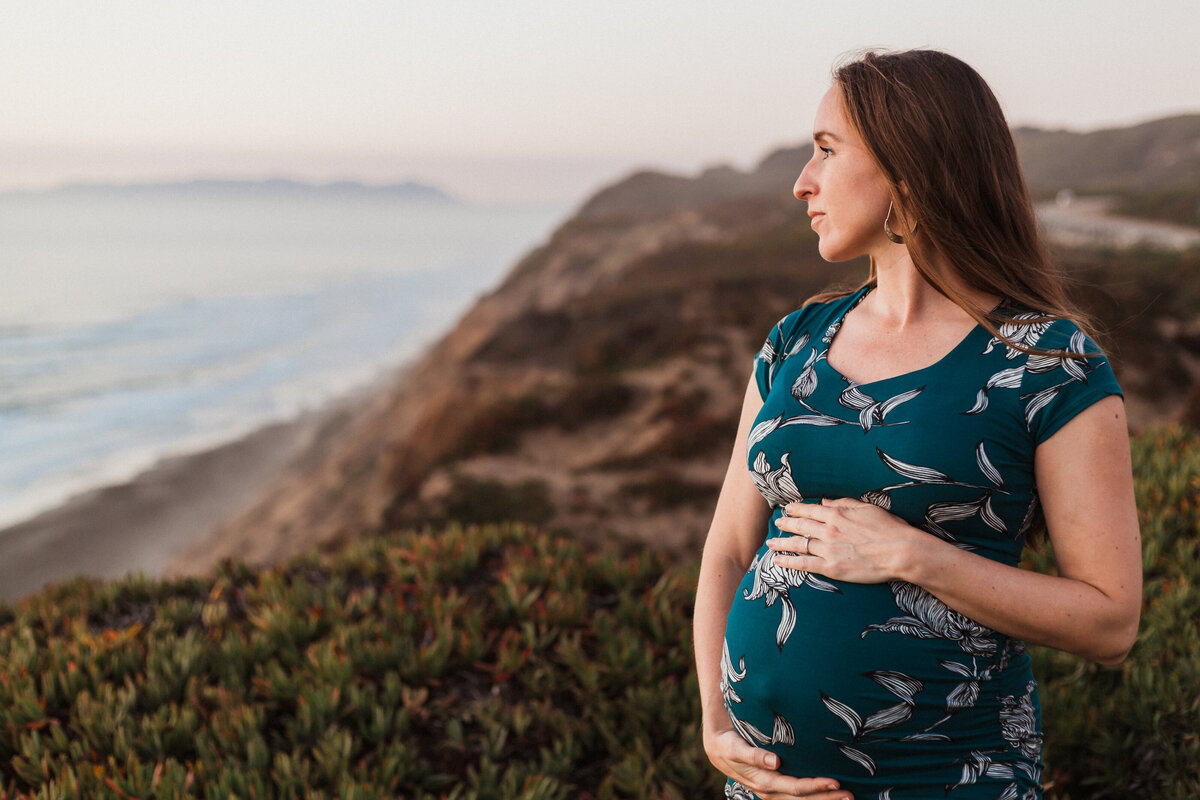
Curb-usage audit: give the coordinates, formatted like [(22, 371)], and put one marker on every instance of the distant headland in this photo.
[(408, 191)]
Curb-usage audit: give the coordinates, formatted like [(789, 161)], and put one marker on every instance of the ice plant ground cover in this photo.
[(1134, 731), (499, 662), (493, 662)]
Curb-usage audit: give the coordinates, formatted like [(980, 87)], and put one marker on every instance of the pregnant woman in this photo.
[(861, 619)]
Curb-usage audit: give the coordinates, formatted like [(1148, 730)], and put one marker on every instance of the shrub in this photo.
[(1180, 205), (498, 427), (1134, 730), (479, 502), (667, 489), (470, 663), (499, 662)]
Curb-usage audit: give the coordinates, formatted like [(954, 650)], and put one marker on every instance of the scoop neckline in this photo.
[(835, 327)]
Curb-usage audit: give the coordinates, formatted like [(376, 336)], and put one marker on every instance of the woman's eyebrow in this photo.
[(819, 135)]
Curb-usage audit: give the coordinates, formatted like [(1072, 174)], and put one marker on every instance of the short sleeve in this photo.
[(769, 358), (1054, 390)]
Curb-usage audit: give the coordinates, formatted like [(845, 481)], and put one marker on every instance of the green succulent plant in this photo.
[(500, 662)]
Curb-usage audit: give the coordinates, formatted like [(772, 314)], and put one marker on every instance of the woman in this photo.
[(906, 437)]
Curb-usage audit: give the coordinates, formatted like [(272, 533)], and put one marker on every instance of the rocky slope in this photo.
[(597, 389)]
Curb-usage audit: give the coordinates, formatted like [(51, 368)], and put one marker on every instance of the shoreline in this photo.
[(146, 523)]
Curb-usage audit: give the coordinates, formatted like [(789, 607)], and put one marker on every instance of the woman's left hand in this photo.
[(847, 540)]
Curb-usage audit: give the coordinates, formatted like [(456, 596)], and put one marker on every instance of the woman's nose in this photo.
[(804, 187)]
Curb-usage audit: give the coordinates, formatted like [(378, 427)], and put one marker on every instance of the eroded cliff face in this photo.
[(597, 389), (611, 360)]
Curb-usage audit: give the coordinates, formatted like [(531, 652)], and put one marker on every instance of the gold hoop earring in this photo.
[(887, 230)]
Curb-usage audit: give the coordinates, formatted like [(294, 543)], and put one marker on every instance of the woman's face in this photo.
[(846, 193)]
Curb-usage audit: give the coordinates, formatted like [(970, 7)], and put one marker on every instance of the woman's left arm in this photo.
[(1085, 483)]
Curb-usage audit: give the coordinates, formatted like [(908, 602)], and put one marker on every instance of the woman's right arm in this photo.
[(738, 529)]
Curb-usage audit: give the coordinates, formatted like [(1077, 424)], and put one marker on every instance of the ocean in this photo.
[(138, 327)]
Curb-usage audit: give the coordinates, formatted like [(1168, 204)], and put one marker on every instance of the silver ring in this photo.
[(806, 544)]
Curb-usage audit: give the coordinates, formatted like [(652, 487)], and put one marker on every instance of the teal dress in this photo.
[(883, 686)]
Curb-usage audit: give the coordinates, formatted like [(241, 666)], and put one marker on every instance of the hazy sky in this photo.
[(524, 100)]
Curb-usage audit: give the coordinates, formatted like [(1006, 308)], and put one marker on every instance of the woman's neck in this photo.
[(903, 297)]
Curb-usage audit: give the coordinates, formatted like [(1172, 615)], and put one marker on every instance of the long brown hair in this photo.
[(934, 127)]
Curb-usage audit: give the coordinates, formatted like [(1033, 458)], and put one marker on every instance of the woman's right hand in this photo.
[(758, 771)]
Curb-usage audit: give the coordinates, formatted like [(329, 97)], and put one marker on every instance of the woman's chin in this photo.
[(831, 253)]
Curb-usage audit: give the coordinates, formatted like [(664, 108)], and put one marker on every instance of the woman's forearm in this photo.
[(1092, 606), (719, 578), (737, 530), (1062, 612)]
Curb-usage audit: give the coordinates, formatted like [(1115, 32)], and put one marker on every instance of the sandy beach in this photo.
[(145, 524)]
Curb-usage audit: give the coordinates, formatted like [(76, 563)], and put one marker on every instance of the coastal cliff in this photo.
[(597, 389)]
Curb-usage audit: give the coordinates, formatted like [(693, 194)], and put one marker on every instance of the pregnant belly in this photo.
[(832, 676), (791, 635)]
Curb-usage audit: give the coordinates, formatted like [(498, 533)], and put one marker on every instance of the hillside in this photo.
[(1147, 156), (597, 389), (1153, 169)]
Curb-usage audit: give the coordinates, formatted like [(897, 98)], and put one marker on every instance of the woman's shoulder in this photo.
[(1058, 369), (811, 325), (1040, 332), (815, 317)]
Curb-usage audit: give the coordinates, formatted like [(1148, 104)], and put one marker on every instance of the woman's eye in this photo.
[(828, 151)]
